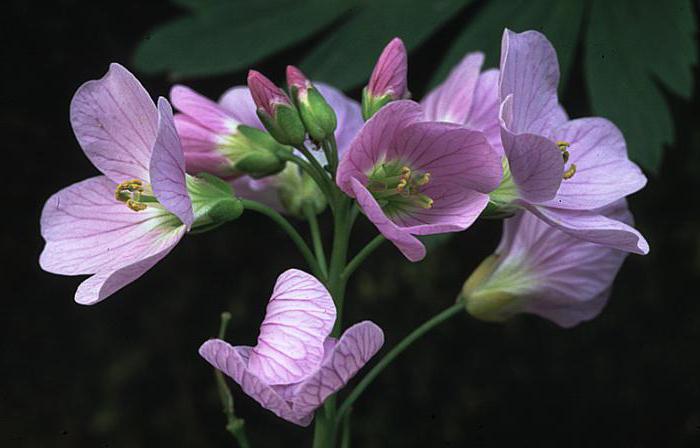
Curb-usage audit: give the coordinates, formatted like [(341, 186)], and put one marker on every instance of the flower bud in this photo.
[(213, 201), (297, 190), (388, 81), (276, 111), (316, 114), (487, 300)]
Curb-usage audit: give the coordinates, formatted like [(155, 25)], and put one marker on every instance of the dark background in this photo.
[(126, 372)]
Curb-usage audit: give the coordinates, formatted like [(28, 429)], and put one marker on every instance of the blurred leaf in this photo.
[(230, 36), (346, 58), (631, 46), (559, 20)]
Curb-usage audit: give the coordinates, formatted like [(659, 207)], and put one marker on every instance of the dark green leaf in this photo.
[(346, 58), (559, 20), (233, 35), (631, 46)]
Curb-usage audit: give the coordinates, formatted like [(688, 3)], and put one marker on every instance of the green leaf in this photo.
[(632, 47), (230, 36), (559, 20), (346, 58)]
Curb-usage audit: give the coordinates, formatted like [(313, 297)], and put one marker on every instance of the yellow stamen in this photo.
[(136, 206), (563, 148), (129, 192), (568, 174)]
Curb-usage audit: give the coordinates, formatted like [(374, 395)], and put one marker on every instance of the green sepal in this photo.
[(372, 104), (285, 126), (317, 115), (213, 201), (262, 159)]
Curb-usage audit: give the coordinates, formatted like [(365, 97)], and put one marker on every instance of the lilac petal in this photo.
[(389, 74), (202, 110), (594, 227), (408, 244), (88, 232), (530, 73), (604, 174), (485, 106), (194, 137), (348, 113), (104, 284), (452, 155), (299, 317), (354, 349), (572, 277), (261, 190), (452, 100), (374, 140), (238, 102), (115, 121), (168, 167), (535, 162), (233, 361)]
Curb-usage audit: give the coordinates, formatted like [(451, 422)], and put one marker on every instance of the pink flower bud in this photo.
[(265, 93), (389, 74), (297, 80)]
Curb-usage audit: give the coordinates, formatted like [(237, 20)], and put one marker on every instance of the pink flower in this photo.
[(388, 80), (564, 171), (223, 139), (468, 98), (413, 177), (296, 365), (541, 270), (116, 226)]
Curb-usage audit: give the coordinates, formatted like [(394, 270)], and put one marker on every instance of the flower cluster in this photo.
[(491, 144)]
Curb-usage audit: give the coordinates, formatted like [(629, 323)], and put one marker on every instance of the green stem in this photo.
[(345, 435), (289, 229), (361, 256), (396, 351), (320, 178), (234, 425), (316, 238), (323, 181)]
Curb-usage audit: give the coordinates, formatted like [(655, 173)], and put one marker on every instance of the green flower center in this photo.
[(397, 187)]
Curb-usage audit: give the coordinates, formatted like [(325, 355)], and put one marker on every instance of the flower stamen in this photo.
[(397, 186), (564, 148), (130, 192)]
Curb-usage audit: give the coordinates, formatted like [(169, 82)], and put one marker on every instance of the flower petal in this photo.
[(604, 174), (167, 167), (233, 361), (452, 100), (485, 106), (451, 154), (354, 349), (299, 318), (88, 231), (535, 162), (408, 244), (193, 136), (238, 102), (594, 227), (374, 140), (202, 110), (263, 190), (530, 73), (115, 121)]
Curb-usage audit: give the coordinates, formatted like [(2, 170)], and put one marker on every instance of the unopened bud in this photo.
[(276, 111), (388, 81), (316, 114)]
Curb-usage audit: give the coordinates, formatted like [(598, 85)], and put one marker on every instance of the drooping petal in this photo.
[(105, 283), (374, 140), (167, 167), (452, 100), (535, 162), (299, 318), (594, 227), (570, 278), (238, 102), (604, 173), (233, 361), (485, 106), (408, 244), (115, 122), (348, 113), (202, 110), (354, 349), (530, 73)]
